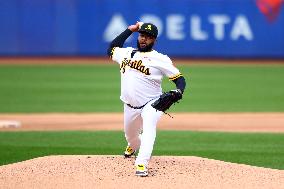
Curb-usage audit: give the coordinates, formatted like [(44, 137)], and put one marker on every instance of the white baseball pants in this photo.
[(137, 120)]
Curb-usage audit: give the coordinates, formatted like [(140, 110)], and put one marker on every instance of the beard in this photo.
[(147, 48)]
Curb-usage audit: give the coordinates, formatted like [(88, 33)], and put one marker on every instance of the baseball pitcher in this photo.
[(142, 70)]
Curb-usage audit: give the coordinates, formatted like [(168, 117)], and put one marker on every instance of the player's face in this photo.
[(145, 42)]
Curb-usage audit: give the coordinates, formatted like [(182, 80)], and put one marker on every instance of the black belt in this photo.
[(136, 107)]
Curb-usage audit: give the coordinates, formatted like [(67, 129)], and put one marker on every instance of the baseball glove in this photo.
[(167, 99)]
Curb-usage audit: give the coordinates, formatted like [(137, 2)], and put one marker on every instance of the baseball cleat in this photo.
[(129, 152), (141, 170)]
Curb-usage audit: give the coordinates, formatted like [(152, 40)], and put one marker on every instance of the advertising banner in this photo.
[(187, 28)]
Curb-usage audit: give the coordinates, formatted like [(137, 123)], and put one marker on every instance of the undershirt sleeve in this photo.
[(180, 83), (118, 41)]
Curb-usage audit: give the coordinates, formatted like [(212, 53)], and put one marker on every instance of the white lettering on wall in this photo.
[(195, 29), (116, 25), (219, 22), (175, 27), (215, 26), (241, 28)]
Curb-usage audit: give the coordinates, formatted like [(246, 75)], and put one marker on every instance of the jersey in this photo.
[(142, 74)]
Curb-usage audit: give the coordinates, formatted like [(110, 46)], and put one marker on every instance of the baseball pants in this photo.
[(141, 120)]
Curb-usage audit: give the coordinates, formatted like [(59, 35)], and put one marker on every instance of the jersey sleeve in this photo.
[(118, 54), (169, 70)]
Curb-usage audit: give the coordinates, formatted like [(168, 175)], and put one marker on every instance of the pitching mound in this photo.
[(117, 172)]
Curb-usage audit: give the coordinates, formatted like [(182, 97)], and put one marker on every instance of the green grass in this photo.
[(258, 149), (236, 88), (59, 88), (96, 88)]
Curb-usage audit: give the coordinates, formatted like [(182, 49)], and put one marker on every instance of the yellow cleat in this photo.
[(141, 170), (129, 152)]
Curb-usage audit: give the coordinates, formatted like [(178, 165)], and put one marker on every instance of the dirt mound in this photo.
[(116, 172)]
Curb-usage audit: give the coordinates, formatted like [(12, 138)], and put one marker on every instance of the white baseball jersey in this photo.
[(141, 75)]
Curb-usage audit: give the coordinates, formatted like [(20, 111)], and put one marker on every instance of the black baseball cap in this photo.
[(149, 28)]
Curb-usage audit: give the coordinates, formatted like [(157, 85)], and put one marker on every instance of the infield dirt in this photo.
[(237, 122), (116, 172)]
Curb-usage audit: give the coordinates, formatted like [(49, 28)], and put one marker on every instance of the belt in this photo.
[(136, 107)]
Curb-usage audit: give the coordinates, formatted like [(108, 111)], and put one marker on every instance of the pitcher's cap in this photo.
[(149, 28)]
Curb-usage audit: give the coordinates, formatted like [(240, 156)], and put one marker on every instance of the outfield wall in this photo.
[(188, 28)]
